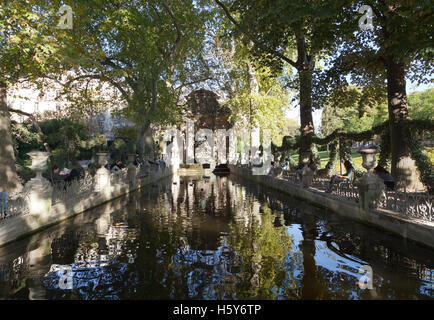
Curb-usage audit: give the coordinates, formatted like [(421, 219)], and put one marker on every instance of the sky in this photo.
[(294, 112)]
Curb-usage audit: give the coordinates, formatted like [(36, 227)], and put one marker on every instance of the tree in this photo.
[(28, 49), (286, 32), (147, 50), (349, 109), (398, 47), (256, 97)]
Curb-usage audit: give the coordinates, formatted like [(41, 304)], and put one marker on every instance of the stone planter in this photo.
[(369, 160), (39, 189), (39, 163), (102, 158), (371, 187), (102, 175)]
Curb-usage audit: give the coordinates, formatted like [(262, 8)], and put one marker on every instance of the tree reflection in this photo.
[(260, 251)]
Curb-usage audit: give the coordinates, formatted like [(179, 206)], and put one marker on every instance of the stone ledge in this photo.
[(22, 226), (406, 227)]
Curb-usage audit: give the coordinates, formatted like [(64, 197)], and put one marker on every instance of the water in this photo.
[(216, 238)]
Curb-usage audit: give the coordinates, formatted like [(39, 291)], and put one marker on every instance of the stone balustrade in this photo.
[(41, 204)]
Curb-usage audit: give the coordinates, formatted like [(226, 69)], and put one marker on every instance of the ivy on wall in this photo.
[(423, 162)]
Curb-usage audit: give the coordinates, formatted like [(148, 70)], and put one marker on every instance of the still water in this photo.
[(212, 238)]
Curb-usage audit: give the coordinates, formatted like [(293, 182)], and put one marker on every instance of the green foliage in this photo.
[(423, 162), (349, 109), (68, 140), (29, 43), (145, 50), (120, 149), (330, 166), (385, 149)]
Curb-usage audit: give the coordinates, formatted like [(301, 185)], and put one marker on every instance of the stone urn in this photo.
[(39, 163), (102, 175), (369, 160), (101, 158), (371, 187), (39, 189)]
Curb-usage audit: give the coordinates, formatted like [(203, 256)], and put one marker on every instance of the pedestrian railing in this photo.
[(75, 189), (17, 204), (63, 191), (419, 205), (119, 177)]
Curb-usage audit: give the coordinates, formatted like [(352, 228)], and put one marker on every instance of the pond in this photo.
[(213, 238)]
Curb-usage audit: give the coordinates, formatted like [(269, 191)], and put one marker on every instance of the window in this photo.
[(36, 106)]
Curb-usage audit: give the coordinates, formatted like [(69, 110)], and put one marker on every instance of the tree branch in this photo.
[(178, 31), (254, 39), (38, 128)]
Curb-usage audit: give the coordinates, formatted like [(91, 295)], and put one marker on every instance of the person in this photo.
[(286, 164), (57, 177), (118, 165), (73, 175), (4, 203), (347, 176), (386, 176)]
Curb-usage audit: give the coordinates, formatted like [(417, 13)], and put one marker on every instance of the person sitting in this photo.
[(57, 177), (286, 164), (73, 175), (386, 176), (117, 166), (348, 176)]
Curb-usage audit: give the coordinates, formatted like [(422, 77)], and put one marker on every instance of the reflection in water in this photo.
[(212, 238)]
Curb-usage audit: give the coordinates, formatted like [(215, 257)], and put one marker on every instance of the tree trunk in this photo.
[(9, 181), (306, 120), (305, 66), (254, 90), (145, 140), (403, 170)]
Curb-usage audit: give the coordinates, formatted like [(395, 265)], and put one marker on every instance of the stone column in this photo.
[(102, 176), (39, 189), (371, 187)]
